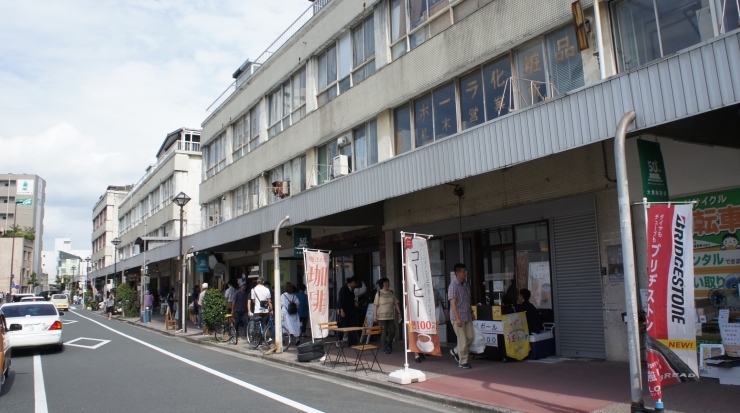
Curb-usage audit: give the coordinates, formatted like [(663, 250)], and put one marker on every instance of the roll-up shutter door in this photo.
[(579, 328)]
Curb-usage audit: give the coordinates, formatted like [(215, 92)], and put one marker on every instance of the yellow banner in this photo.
[(516, 335)]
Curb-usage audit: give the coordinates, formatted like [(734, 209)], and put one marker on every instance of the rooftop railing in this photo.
[(271, 50)]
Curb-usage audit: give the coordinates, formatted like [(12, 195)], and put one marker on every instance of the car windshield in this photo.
[(32, 310), (58, 297)]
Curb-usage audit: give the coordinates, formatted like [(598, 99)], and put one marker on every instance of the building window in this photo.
[(287, 104), (531, 86), (402, 128), (495, 77), (254, 122), (363, 48), (214, 156), (240, 140), (327, 75), (324, 163), (415, 21), (650, 29), (365, 142), (434, 117)]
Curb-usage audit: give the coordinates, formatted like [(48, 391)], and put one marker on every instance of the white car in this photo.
[(40, 321)]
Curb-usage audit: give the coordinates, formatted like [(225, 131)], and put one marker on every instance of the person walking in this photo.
[(461, 315), (260, 296), (239, 308), (289, 316), (194, 301), (229, 293), (110, 305), (201, 296), (386, 305), (348, 309), (303, 314), (171, 302)]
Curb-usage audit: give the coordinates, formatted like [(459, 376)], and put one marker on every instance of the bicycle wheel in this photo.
[(270, 337), (221, 334), (286, 339), (233, 337), (253, 334)]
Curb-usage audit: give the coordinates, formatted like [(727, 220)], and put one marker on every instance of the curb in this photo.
[(394, 388)]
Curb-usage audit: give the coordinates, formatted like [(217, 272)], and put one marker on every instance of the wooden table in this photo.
[(340, 352)]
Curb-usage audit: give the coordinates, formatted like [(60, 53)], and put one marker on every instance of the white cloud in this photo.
[(91, 88)]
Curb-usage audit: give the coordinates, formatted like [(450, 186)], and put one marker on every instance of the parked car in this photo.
[(18, 297), (61, 301), (26, 299), (40, 323), (5, 348)]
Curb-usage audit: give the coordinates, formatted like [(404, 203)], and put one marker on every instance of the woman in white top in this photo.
[(290, 321)]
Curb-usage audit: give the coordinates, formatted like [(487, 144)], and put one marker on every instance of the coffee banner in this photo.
[(671, 354), (516, 335), (316, 264), (420, 310)]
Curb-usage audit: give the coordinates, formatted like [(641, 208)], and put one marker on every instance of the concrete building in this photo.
[(23, 198), (486, 124), (105, 225), (146, 215)]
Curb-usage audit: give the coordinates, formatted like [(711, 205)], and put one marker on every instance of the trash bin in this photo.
[(146, 316)]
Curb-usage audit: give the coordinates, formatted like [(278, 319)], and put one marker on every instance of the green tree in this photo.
[(15, 231), (214, 309), (32, 280), (127, 296)]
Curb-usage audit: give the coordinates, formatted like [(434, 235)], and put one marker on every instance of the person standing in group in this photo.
[(148, 300), (260, 296), (461, 315), (386, 305), (194, 301), (171, 302), (110, 305), (289, 303), (348, 309), (239, 307), (303, 314), (201, 296), (229, 293)]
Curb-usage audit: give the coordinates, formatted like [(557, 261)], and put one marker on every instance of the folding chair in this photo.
[(363, 349), (330, 325)]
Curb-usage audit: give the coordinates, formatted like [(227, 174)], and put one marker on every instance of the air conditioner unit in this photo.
[(343, 141), (281, 188), (341, 165)]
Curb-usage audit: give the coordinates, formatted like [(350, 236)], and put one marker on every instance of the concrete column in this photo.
[(390, 251)]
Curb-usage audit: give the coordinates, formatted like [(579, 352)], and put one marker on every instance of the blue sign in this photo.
[(201, 263)]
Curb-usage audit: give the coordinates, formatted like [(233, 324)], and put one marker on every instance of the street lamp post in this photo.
[(115, 243), (84, 286), (73, 268), (12, 247), (180, 200)]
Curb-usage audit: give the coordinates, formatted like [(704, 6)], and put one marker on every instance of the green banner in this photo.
[(301, 239), (654, 183)]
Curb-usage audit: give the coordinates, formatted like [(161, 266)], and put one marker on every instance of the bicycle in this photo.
[(256, 334), (226, 332)]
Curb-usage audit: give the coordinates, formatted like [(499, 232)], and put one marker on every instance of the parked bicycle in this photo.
[(226, 333), (257, 334)]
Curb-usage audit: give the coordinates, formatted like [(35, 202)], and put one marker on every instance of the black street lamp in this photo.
[(115, 243), (84, 286), (180, 200)]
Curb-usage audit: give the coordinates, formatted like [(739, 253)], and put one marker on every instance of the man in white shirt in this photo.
[(202, 295), (260, 297), (229, 293)]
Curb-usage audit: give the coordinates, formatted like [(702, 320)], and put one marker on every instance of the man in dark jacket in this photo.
[(348, 309), (534, 321)]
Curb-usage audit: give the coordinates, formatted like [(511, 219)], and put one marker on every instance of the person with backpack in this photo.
[(386, 305), (289, 302)]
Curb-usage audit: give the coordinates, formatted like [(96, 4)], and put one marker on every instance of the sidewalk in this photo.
[(551, 385)]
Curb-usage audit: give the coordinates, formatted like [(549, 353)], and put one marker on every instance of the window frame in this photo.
[(425, 25)]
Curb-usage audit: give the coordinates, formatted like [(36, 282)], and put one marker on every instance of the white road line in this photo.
[(39, 389), (259, 390)]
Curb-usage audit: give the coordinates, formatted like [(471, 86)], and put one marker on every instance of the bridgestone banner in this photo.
[(671, 342), (316, 264)]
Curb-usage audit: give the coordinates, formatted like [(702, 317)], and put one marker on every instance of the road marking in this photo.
[(65, 322), (252, 387), (39, 389), (101, 342)]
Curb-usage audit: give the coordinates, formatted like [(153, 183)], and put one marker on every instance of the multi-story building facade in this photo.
[(22, 202), (105, 225), (488, 124)]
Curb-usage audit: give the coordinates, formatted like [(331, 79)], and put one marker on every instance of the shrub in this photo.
[(127, 297), (214, 309)]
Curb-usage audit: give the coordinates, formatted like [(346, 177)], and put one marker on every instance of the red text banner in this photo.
[(316, 264)]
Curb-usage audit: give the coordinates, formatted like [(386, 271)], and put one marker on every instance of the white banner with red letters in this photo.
[(420, 310), (671, 354), (316, 264)]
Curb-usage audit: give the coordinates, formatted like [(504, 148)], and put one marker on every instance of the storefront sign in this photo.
[(316, 265), (516, 335), (671, 354), (654, 183), (24, 201), (420, 298), (25, 187), (201, 263), (490, 331), (539, 284), (301, 240), (716, 250)]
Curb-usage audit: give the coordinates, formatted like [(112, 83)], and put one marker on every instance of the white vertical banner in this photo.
[(316, 264), (419, 288)]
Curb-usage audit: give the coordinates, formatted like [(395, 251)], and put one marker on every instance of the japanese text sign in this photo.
[(316, 265), (654, 183), (671, 354)]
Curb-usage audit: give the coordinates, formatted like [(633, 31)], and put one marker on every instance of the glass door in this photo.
[(498, 267)]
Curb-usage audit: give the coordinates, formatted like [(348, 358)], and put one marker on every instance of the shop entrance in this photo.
[(452, 257), (498, 267)]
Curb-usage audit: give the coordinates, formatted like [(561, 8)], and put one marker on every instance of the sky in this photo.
[(90, 89)]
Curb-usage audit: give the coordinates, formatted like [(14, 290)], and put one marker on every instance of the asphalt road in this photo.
[(109, 366)]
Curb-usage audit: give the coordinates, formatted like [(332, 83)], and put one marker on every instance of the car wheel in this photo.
[(2, 380), (59, 347)]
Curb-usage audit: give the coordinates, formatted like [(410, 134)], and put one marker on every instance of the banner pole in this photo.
[(310, 319)]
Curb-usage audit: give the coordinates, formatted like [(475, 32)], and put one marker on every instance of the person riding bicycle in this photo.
[(240, 307), (260, 297)]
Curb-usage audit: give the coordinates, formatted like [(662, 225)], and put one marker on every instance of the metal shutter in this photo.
[(579, 328)]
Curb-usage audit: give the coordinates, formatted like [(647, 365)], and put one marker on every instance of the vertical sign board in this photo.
[(423, 337), (516, 335), (25, 187), (654, 183), (301, 240), (671, 353), (201, 261), (316, 264)]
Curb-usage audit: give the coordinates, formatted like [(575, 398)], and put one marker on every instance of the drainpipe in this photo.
[(628, 257), (599, 40), (276, 288)]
